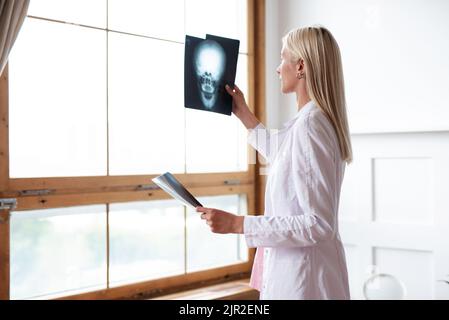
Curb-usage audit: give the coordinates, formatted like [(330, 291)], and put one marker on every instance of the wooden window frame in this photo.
[(72, 191)]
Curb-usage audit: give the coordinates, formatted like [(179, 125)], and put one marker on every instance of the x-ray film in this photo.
[(209, 64), (173, 187)]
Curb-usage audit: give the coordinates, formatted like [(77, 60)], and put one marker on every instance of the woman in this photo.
[(299, 251)]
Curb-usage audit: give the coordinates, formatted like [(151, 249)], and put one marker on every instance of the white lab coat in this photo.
[(303, 256)]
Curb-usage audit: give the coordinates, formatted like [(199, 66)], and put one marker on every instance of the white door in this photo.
[(394, 211)]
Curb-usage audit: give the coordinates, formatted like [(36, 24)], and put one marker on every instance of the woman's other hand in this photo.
[(221, 221)]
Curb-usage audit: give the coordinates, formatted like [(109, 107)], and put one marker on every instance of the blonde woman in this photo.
[(299, 251)]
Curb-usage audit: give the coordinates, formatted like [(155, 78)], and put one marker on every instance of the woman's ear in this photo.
[(300, 69), (300, 65)]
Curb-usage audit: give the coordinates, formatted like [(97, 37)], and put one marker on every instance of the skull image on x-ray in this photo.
[(209, 62)]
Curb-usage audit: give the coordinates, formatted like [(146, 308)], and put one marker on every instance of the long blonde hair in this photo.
[(324, 77)]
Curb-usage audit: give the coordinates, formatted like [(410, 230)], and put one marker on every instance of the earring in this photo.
[(300, 75)]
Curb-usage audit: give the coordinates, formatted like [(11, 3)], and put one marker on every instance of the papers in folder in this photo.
[(173, 187)]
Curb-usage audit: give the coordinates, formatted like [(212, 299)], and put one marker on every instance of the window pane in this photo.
[(86, 12), (211, 142), (55, 251), (241, 81), (146, 240), (241, 77), (208, 250), (160, 19), (58, 128), (216, 142), (222, 18), (146, 113)]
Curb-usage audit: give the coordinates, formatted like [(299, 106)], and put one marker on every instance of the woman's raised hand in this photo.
[(240, 108)]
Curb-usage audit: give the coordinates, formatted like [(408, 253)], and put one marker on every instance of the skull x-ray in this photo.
[(210, 64), (209, 60)]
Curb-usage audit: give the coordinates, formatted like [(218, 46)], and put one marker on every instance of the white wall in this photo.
[(394, 207), (394, 57), (273, 49)]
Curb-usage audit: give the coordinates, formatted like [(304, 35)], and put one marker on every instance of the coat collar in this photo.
[(303, 111)]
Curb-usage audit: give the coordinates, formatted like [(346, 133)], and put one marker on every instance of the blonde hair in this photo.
[(324, 77)]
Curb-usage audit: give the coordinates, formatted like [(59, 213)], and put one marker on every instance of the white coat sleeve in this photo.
[(259, 138), (313, 170)]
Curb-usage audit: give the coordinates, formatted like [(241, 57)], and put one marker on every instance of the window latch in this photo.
[(8, 204), (144, 187), (41, 192), (232, 182)]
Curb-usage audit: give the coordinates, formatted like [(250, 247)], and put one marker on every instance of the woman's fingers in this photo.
[(202, 209), (230, 90), (206, 212), (233, 91)]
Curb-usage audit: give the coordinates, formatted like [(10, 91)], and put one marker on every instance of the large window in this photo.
[(54, 251), (106, 97), (93, 102)]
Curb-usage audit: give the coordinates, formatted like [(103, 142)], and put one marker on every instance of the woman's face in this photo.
[(287, 71)]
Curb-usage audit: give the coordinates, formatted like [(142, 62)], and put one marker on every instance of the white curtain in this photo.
[(12, 15)]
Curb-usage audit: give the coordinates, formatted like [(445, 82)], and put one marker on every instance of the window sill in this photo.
[(233, 290)]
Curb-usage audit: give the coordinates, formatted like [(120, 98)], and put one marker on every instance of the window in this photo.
[(98, 94), (57, 250), (102, 114)]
